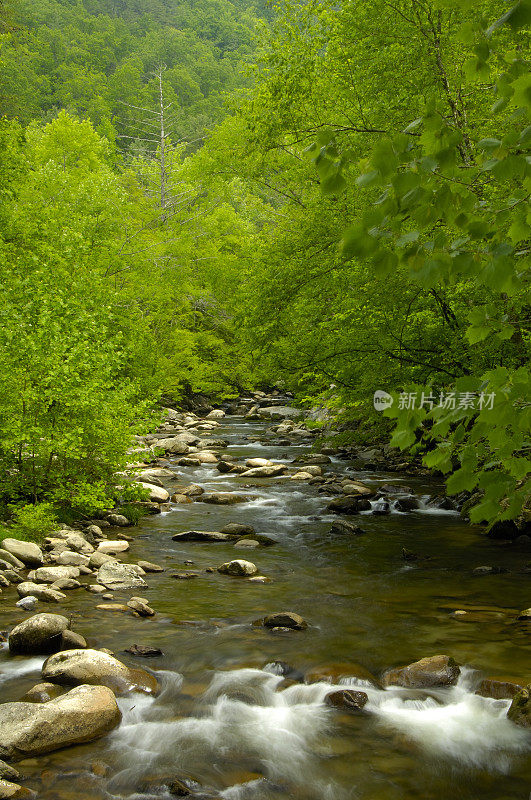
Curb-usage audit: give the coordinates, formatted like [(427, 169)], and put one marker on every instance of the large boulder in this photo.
[(238, 567), (157, 494), (114, 575), (423, 674), (75, 667), (52, 574), (28, 552), (81, 715), (14, 791), (38, 634), (520, 709)]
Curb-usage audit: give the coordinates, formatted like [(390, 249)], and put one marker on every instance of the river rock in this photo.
[(238, 529), (117, 520), (405, 504), (520, 709), (202, 536), (207, 458), (174, 445), (285, 619), (114, 575), (111, 548), (342, 526), (264, 472), (65, 584), (423, 674), (68, 558), (349, 504), (301, 476), (334, 673), (238, 567), (222, 498), (499, 688), (314, 470), (8, 773), (217, 413), (81, 715), (14, 791), (258, 462), (78, 542), (250, 543), (144, 651), (38, 634), (193, 490), (42, 693), (525, 614), (140, 607), (98, 559), (147, 566), (357, 488), (51, 574), (280, 412), (28, 553), (157, 494), (12, 560), (28, 603), (75, 667), (347, 700), (40, 591)]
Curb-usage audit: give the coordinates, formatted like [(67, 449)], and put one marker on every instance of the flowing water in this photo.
[(224, 717)]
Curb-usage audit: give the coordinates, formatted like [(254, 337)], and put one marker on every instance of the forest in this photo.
[(215, 196), (265, 508)]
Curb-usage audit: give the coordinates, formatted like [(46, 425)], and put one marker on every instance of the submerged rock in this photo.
[(75, 667), (423, 674), (41, 633), (81, 715), (342, 526)]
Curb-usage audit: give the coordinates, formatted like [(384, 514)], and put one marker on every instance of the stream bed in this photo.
[(228, 723)]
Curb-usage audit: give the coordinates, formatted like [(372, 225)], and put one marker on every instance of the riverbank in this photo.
[(222, 718)]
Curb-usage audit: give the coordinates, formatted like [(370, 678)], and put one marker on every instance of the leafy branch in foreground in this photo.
[(446, 219)]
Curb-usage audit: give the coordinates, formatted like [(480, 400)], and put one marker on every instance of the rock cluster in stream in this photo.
[(75, 701)]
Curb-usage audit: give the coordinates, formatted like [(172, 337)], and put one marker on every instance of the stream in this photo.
[(226, 719)]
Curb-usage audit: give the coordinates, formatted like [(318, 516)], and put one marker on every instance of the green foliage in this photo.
[(33, 522), (454, 207)]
